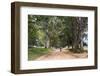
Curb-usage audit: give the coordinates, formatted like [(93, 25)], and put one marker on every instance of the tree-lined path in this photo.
[(56, 54), (48, 37)]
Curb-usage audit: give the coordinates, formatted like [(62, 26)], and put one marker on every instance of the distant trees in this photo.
[(56, 31)]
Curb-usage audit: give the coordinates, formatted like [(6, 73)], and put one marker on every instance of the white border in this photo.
[(25, 64)]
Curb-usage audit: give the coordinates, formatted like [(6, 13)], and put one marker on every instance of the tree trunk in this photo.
[(47, 41)]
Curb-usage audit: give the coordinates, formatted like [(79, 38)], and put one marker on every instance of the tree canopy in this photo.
[(56, 31)]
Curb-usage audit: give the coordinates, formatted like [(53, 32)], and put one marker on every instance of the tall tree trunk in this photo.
[(47, 41)]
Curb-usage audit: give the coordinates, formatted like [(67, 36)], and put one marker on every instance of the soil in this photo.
[(56, 54)]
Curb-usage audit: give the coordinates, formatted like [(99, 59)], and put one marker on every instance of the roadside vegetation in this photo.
[(34, 53)]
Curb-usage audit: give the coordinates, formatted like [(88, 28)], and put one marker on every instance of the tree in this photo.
[(80, 26)]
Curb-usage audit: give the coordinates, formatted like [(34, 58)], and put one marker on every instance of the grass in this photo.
[(34, 53)]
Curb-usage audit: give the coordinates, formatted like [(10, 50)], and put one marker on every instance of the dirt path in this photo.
[(64, 54)]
